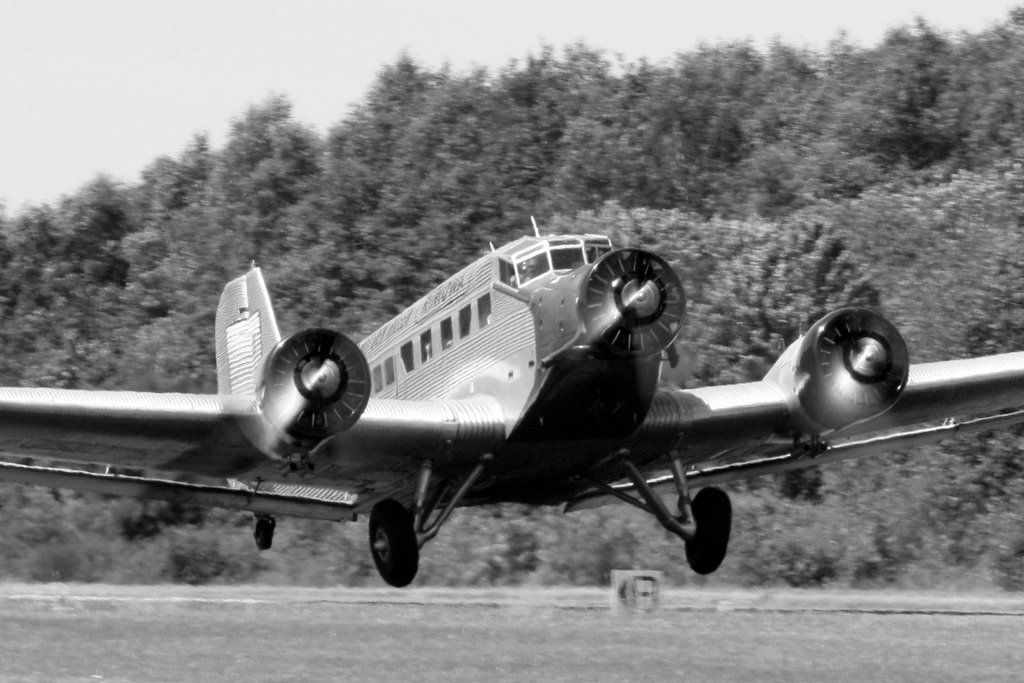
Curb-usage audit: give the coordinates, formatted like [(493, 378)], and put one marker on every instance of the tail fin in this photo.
[(246, 331)]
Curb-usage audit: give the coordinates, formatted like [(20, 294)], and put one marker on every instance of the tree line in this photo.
[(781, 183)]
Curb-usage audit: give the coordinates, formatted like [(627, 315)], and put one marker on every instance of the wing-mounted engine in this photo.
[(851, 366), (632, 303), (313, 384)]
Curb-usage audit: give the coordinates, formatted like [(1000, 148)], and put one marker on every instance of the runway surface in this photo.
[(58, 632), (583, 599)]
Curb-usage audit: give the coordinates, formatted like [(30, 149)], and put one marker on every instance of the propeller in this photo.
[(315, 383), (633, 303)]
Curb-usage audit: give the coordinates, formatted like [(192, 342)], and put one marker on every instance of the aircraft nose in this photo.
[(632, 303)]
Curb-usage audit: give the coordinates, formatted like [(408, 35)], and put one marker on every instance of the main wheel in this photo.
[(393, 543), (263, 531), (712, 512)]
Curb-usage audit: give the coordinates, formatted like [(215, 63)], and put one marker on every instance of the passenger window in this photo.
[(447, 334), (426, 347), (407, 356), (507, 273), (465, 321), (483, 310), (389, 371), (377, 384)]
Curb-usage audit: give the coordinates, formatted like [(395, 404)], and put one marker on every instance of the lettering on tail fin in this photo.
[(246, 331)]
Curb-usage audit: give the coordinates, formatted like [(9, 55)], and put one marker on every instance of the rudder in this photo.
[(246, 331)]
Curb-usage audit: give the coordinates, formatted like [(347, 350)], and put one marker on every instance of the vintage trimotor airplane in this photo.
[(530, 376)]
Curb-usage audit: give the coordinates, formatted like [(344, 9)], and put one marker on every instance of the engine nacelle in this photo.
[(313, 384), (632, 303), (851, 366)]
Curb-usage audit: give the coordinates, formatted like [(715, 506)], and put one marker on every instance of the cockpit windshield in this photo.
[(567, 256), (596, 249), (558, 254)]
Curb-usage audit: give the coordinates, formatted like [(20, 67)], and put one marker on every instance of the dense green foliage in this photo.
[(782, 183)]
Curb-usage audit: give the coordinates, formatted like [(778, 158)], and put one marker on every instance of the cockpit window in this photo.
[(532, 267), (507, 273), (595, 250), (567, 257), (531, 258)]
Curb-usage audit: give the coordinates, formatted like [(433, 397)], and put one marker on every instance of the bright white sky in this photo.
[(107, 86)]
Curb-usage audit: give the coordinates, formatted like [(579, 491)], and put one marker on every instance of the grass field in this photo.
[(81, 633)]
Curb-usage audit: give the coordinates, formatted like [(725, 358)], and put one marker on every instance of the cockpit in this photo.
[(529, 258)]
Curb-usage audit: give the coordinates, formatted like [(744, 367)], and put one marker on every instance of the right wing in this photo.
[(725, 422), (732, 432)]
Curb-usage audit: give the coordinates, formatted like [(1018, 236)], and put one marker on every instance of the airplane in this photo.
[(530, 376)]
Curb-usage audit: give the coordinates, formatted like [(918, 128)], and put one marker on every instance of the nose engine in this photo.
[(632, 303), (315, 383)]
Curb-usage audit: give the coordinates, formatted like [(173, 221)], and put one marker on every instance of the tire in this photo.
[(712, 512), (263, 532), (393, 543)]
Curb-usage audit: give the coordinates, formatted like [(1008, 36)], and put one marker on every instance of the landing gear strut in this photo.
[(263, 531), (704, 524), (396, 535)]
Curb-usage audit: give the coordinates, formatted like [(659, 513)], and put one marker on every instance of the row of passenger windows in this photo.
[(422, 347)]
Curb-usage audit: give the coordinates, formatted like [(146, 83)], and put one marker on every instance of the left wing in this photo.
[(292, 417), (218, 437), (198, 434)]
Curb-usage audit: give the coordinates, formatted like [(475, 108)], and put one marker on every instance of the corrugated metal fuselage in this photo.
[(464, 338), (473, 336)]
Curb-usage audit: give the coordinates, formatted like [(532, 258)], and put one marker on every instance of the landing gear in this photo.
[(712, 513), (704, 524), (263, 531), (396, 535), (393, 543)]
